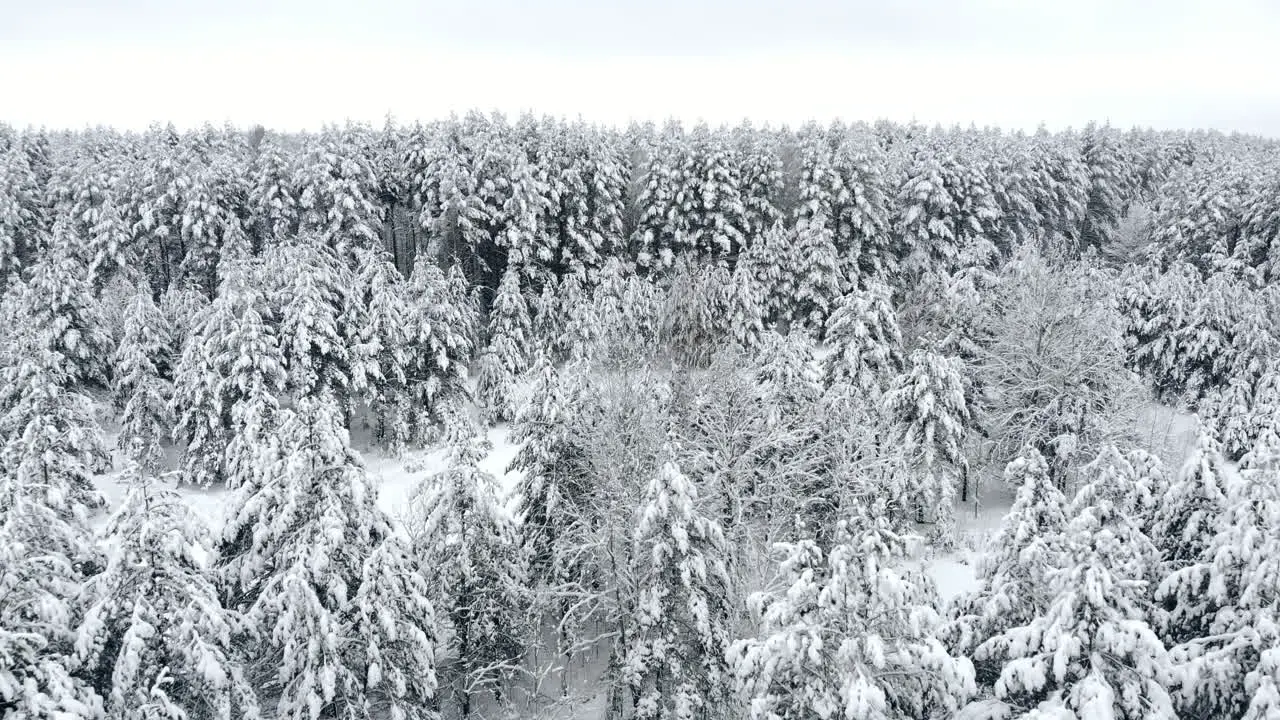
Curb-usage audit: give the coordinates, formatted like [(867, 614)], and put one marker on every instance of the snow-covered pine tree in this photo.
[(930, 413), (1091, 653), (48, 432), (377, 317), (272, 197), (45, 554), (1109, 185), (342, 623), (1188, 512), (58, 302), (712, 197), (849, 635), (862, 213), (662, 226), (761, 179), (817, 281), (694, 318), (439, 336), (143, 382), (1014, 575), (473, 559), (1229, 596), (337, 191), (155, 641), (21, 231), (767, 260), (226, 384), (507, 355), (866, 341), (556, 503), (924, 207), (785, 366), (675, 663), (309, 286)]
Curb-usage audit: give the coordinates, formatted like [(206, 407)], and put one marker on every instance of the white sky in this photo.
[(300, 64)]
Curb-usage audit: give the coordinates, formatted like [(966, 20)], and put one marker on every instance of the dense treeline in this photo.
[(707, 343)]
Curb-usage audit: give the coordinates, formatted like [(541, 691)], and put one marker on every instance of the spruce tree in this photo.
[(866, 340), (1227, 598), (1014, 575), (930, 412), (227, 384), (309, 295), (439, 337), (45, 555)]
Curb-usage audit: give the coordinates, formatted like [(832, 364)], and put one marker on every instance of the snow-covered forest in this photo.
[(526, 418)]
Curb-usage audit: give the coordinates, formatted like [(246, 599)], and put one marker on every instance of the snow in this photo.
[(395, 478), (954, 575)]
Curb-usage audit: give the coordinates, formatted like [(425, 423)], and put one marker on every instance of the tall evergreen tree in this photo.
[(143, 382), (1014, 576), (470, 551), (930, 411), (867, 342), (227, 384), (155, 641), (849, 635), (675, 664), (342, 622), (1092, 652), (507, 355)]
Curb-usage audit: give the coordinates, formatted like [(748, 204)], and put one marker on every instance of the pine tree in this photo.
[(1014, 576), (1185, 518), (849, 635), (1227, 598), (930, 412), (1109, 187), (309, 295), (143, 385), (675, 663), (1091, 653), (439, 336), (49, 434), (378, 317), (45, 554), (273, 197), (155, 641), (21, 231), (342, 621), (60, 305), (226, 385), (817, 281), (712, 198), (552, 475), (760, 171), (471, 553), (507, 355), (337, 188), (867, 343)]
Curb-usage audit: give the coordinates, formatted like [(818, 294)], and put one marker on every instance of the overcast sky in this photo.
[(301, 64)]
